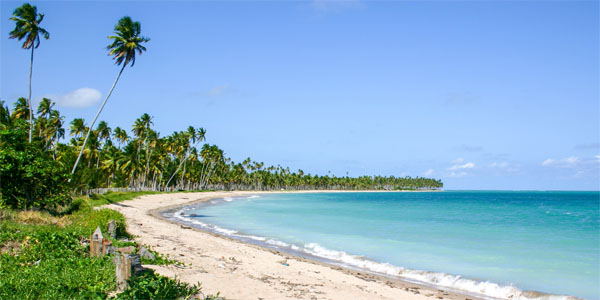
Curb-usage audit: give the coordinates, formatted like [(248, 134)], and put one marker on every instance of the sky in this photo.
[(480, 94)]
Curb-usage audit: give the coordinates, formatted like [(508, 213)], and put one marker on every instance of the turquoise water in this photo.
[(493, 243)]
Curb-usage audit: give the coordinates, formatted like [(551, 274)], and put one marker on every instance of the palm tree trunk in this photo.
[(94, 121), (29, 98)]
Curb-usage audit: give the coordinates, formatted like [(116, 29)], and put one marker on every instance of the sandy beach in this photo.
[(244, 271)]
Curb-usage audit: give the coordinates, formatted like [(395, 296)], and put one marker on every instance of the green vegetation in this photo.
[(43, 256), (153, 286), (43, 231), (29, 176), (150, 162), (113, 197)]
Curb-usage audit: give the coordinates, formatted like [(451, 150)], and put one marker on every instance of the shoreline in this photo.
[(241, 270)]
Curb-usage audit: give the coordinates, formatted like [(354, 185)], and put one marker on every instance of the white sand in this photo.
[(245, 271)]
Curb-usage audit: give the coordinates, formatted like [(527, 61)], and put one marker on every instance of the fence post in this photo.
[(96, 241), (112, 229), (122, 270)]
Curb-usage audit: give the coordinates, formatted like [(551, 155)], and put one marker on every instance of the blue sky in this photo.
[(483, 95)]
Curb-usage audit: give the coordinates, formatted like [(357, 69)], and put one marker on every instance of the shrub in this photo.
[(153, 286), (29, 176)]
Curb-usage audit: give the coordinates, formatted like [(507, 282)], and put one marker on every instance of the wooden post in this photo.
[(112, 229), (96, 241), (105, 244), (125, 266), (122, 269)]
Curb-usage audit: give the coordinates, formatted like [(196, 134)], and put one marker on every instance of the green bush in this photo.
[(50, 263), (87, 220), (153, 286), (29, 176)]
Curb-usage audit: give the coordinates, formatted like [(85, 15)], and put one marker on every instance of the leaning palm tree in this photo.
[(27, 27), (125, 43)]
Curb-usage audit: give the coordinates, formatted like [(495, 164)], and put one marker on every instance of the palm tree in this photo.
[(28, 27), (77, 127), (104, 132), (21, 110), (121, 136), (45, 108), (126, 42), (5, 119)]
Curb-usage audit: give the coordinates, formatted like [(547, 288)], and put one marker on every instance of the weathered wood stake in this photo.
[(112, 229), (96, 241), (122, 269)]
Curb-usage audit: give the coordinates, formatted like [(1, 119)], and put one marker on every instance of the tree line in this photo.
[(39, 160)]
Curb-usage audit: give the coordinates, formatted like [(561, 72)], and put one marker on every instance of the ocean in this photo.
[(495, 244)]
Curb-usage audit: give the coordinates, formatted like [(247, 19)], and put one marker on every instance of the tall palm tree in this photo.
[(27, 27), (125, 43)]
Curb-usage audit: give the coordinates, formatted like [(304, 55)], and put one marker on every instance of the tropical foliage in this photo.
[(143, 159), (44, 256)]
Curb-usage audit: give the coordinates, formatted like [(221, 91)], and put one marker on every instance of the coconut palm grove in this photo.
[(43, 160)]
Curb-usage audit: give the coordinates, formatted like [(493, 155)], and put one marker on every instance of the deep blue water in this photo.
[(488, 242)]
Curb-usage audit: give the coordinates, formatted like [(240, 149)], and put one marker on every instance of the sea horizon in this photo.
[(455, 268)]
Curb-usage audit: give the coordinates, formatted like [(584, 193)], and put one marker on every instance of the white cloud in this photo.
[(500, 165), (548, 162), (468, 165), (429, 172), (458, 160), (571, 160), (457, 174), (597, 157), (79, 98), (567, 162), (505, 166), (218, 90)]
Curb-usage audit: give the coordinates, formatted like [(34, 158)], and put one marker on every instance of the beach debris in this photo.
[(186, 227), (199, 295), (112, 229), (144, 253), (222, 266), (284, 262)]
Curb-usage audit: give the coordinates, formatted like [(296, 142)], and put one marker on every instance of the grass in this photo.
[(113, 197), (44, 256), (44, 260)]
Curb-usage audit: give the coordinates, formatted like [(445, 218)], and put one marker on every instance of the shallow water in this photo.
[(492, 243)]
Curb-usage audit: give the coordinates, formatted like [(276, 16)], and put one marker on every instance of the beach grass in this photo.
[(45, 256)]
